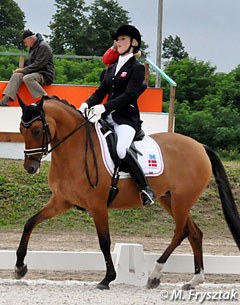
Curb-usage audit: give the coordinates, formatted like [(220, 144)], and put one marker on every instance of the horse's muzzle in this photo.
[(31, 166)]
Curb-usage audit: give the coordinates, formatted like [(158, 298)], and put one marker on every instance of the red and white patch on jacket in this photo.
[(123, 74)]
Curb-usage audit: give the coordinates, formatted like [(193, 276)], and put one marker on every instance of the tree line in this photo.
[(207, 104)]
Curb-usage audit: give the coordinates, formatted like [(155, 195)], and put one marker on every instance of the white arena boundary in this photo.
[(132, 264)]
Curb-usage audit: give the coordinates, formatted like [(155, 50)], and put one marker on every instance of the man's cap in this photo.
[(26, 34)]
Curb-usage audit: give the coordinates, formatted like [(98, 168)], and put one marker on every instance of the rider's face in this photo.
[(123, 43)]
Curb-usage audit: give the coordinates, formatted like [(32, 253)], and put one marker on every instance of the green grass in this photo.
[(22, 195)]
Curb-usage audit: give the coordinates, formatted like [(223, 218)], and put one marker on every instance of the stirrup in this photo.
[(146, 198)]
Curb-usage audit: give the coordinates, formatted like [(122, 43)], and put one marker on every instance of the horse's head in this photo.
[(36, 134)]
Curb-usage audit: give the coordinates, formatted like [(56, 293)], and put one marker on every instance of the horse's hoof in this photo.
[(102, 287), (187, 287), (20, 272), (153, 283)]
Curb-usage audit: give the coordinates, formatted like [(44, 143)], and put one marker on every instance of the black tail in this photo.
[(228, 204)]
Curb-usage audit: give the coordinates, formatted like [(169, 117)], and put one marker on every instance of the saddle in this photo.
[(111, 139)]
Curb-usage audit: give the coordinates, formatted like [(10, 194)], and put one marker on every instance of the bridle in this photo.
[(46, 140), (43, 150)]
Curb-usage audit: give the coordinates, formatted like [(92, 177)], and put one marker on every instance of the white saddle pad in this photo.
[(151, 160)]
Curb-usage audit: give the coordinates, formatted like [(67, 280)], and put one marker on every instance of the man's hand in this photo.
[(18, 70)]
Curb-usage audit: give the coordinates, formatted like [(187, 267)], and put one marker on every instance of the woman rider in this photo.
[(121, 82)]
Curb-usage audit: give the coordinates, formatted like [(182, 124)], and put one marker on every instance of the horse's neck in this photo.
[(64, 118), (66, 121)]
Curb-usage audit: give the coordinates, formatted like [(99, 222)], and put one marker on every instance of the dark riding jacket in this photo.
[(123, 90), (40, 60)]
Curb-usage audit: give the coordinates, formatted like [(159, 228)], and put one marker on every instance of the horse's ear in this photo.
[(21, 103)]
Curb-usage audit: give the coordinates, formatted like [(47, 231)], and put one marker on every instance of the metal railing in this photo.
[(7, 53), (149, 61), (22, 56), (173, 85)]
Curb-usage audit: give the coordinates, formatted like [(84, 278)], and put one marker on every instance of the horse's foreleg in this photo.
[(21, 268), (51, 209), (101, 222)]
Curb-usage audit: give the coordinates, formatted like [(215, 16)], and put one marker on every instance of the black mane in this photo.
[(65, 102), (32, 112)]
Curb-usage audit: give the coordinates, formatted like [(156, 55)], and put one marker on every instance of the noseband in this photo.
[(44, 150)]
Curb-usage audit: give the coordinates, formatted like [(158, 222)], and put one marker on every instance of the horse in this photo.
[(78, 177)]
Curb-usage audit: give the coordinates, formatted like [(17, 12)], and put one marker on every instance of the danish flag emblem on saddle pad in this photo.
[(151, 159)]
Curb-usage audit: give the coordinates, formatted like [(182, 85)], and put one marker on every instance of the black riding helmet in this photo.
[(131, 31)]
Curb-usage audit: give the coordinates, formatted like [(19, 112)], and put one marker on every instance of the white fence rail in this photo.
[(131, 263), (10, 119)]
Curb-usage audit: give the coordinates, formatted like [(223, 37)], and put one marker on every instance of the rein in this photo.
[(89, 143), (47, 139), (67, 136)]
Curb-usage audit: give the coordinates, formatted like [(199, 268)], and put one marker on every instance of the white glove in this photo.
[(83, 108), (95, 112)]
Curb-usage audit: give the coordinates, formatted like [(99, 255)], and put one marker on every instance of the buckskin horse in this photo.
[(188, 166)]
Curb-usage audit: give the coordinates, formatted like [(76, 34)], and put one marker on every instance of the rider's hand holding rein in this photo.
[(95, 112), (83, 108)]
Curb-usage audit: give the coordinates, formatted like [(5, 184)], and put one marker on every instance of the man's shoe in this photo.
[(4, 101), (147, 196)]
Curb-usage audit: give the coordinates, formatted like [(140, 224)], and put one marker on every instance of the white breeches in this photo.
[(125, 134)]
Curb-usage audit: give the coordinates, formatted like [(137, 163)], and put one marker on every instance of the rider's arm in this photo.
[(110, 56)]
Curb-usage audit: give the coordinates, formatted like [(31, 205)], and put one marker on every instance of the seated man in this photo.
[(38, 70)]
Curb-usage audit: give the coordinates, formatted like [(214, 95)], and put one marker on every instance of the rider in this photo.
[(121, 82)]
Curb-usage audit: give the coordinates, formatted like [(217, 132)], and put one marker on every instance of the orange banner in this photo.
[(149, 101)]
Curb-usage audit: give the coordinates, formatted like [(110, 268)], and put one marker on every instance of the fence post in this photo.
[(21, 61), (146, 77), (171, 108)]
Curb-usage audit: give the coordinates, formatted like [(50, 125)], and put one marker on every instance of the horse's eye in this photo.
[(36, 132)]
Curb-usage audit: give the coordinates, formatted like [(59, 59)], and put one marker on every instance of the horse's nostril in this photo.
[(31, 166), (31, 169)]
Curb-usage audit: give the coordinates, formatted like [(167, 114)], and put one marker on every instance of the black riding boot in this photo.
[(130, 163)]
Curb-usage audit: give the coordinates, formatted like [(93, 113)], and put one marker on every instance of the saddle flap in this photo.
[(149, 156)]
